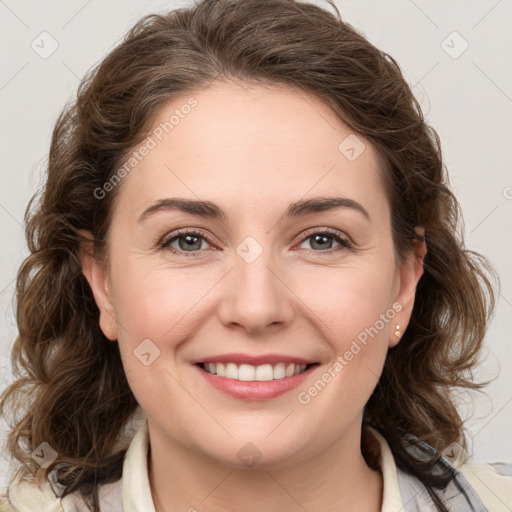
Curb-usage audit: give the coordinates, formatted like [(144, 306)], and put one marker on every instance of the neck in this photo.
[(184, 480)]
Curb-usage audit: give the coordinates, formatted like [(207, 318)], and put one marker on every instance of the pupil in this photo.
[(189, 242), (321, 240)]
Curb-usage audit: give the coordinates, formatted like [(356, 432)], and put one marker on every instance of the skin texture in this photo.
[(252, 151)]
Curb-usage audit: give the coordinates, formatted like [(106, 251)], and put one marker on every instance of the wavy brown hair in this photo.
[(70, 378)]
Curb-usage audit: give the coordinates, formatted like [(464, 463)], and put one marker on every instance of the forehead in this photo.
[(252, 145)]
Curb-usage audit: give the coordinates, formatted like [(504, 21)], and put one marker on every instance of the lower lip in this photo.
[(255, 390)]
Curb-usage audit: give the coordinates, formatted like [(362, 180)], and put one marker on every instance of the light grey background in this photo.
[(468, 99)]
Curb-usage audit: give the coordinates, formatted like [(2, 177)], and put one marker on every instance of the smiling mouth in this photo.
[(250, 373)]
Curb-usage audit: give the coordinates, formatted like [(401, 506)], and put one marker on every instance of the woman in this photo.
[(246, 252)]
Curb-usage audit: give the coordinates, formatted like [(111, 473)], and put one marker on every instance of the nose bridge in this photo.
[(255, 296)]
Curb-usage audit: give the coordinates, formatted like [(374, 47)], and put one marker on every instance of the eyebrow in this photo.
[(208, 209)]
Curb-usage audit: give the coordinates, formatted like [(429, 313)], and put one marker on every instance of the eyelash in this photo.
[(164, 243)]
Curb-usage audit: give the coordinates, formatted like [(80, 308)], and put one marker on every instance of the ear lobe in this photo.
[(97, 278), (410, 273)]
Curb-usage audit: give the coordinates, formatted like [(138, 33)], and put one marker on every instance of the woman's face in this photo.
[(267, 271)]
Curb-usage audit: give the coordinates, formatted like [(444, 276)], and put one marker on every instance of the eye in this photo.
[(323, 241), (191, 243), (184, 242)]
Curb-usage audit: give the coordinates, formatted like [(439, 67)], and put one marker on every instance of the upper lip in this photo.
[(253, 360)]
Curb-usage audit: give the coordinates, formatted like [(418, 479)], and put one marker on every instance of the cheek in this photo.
[(349, 300), (153, 302), (154, 311), (356, 315), (157, 302)]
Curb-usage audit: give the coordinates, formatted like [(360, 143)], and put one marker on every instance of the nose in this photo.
[(256, 297)]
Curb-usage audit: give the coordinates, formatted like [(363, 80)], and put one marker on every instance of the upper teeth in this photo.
[(247, 372)]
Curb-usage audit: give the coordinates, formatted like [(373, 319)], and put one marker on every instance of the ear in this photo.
[(409, 274), (97, 277)]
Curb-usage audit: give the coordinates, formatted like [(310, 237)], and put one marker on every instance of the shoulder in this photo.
[(485, 486), (25, 495), (492, 482), (29, 496), (5, 506)]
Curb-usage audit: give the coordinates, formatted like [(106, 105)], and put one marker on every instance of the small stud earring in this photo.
[(397, 332)]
